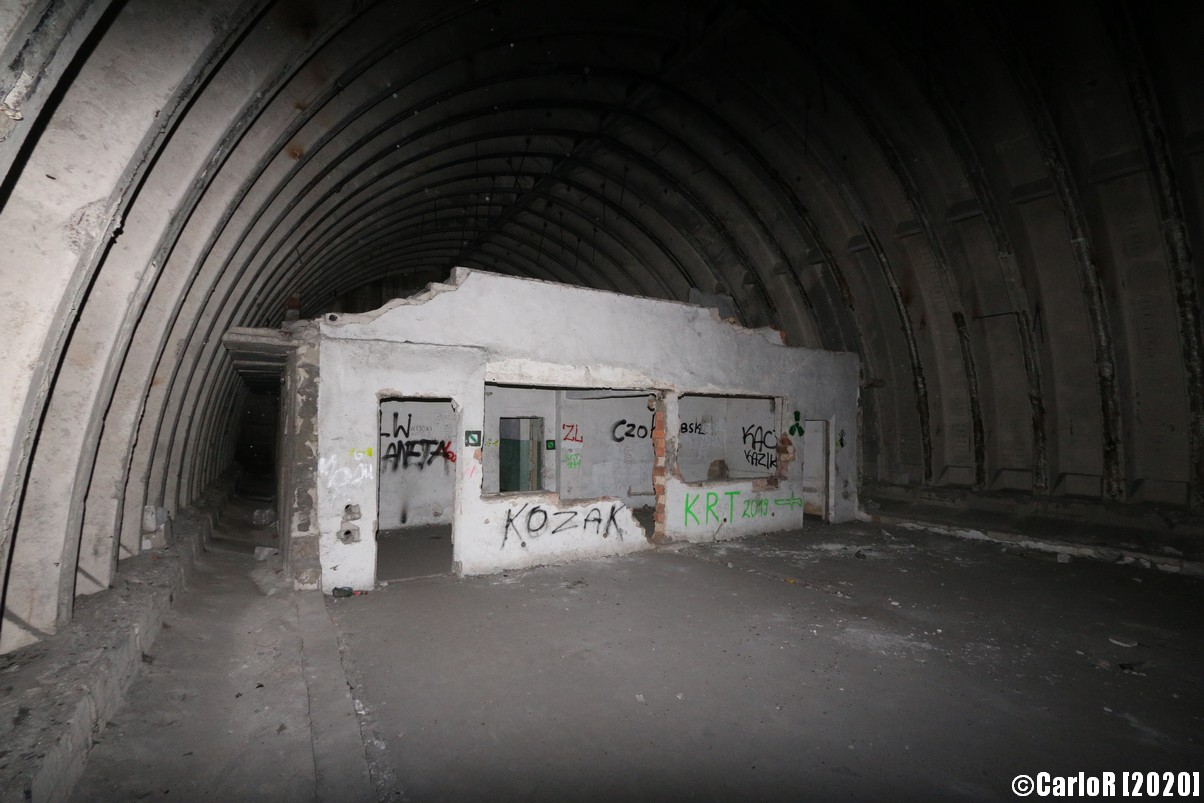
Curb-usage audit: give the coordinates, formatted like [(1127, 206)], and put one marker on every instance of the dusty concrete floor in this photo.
[(848, 662), (219, 709), (413, 552), (243, 698)]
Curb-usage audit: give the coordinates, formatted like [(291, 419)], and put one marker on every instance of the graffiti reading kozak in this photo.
[(532, 521)]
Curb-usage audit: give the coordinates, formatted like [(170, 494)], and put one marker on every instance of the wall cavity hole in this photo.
[(332, 317)]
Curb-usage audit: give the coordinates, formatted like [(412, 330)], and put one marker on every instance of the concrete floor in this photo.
[(847, 662), (243, 698), (413, 552)]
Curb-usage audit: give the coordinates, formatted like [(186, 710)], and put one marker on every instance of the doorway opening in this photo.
[(415, 488), (249, 514), (520, 454), (817, 455)]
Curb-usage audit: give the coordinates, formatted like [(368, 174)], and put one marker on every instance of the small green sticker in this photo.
[(550, 445), (472, 437)]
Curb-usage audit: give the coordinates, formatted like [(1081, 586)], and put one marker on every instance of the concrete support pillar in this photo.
[(661, 443), (298, 461)]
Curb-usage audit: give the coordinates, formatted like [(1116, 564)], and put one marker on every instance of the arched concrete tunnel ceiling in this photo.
[(993, 204)]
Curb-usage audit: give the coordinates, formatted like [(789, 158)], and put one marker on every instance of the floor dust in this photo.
[(843, 662)]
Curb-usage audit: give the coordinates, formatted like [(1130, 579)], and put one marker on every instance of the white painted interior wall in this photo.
[(452, 340), (740, 431), (602, 437), (720, 509), (356, 376), (416, 462), (605, 447)]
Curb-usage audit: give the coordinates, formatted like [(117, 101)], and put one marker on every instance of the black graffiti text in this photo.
[(417, 453), (761, 459), (532, 521), (760, 446), (623, 430), (400, 428)]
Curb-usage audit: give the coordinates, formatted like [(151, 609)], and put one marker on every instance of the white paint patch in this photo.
[(342, 471), (534, 529)]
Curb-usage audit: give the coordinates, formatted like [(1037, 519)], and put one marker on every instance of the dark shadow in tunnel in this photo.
[(249, 518)]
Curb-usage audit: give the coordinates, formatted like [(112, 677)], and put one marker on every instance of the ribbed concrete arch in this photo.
[(994, 208)]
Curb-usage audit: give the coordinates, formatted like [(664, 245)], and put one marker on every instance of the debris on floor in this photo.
[(263, 517)]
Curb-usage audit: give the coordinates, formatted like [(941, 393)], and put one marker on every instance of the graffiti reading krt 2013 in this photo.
[(712, 503), (533, 521)]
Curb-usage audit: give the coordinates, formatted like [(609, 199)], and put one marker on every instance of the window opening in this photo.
[(520, 451), (727, 437)]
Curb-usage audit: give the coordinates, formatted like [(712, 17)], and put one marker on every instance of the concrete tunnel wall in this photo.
[(994, 205)]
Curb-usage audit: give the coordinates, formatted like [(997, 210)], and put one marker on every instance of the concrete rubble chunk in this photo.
[(265, 552)]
